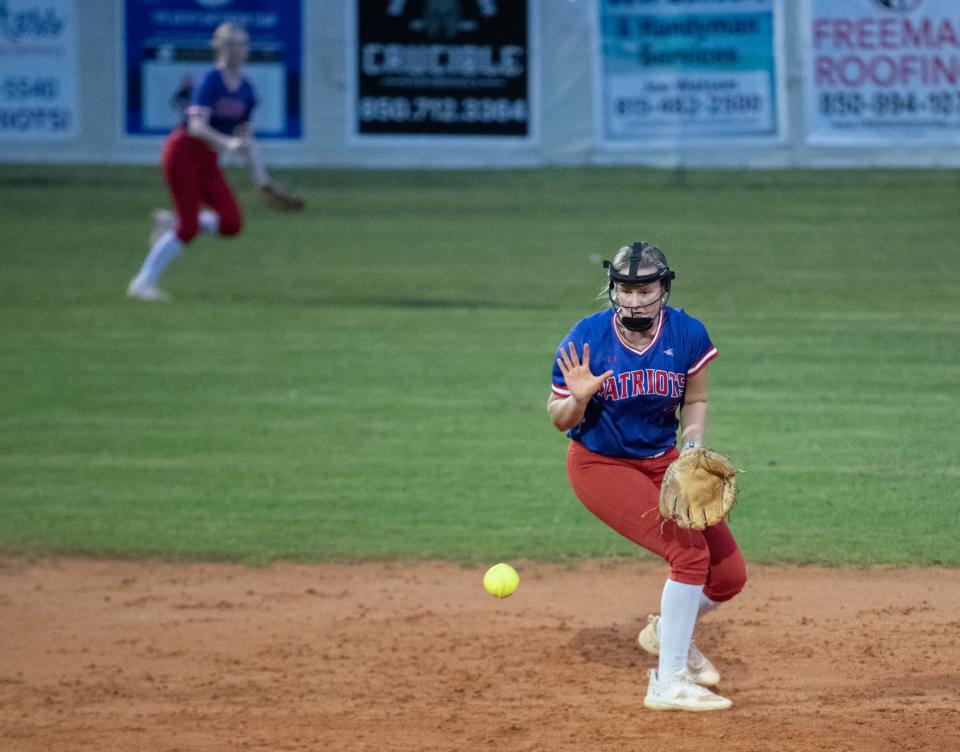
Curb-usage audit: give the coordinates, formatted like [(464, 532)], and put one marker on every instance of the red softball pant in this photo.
[(194, 178), (625, 495)]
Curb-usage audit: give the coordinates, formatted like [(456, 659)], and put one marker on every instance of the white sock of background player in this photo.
[(165, 250), (679, 605), (209, 222), (168, 247)]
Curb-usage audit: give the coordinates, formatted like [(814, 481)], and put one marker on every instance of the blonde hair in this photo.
[(223, 32), (650, 255)]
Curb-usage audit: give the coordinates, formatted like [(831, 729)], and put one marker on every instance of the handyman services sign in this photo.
[(674, 70)]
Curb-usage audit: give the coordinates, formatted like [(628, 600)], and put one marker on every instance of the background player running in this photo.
[(623, 429), (217, 120)]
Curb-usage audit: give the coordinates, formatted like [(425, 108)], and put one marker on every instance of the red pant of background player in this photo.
[(625, 494), (192, 171)]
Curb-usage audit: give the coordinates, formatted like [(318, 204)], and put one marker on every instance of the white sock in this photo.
[(209, 222), (678, 616), (706, 606), (163, 252)]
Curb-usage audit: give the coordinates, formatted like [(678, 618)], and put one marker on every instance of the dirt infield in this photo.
[(101, 656)]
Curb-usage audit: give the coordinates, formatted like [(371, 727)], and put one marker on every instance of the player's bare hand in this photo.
[(576, 373), (234, 144)]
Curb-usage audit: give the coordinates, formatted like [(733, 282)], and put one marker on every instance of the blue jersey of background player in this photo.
[(634, 414), (227, 108), (217, 121)]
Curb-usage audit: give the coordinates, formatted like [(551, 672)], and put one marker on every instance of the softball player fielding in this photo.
[(623, 430), (217, 120)]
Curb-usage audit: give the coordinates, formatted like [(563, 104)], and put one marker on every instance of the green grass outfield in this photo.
[(368, 379)]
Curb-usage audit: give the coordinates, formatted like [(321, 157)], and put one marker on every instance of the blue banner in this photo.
[(38, 70), (168, 47), (698, 69)]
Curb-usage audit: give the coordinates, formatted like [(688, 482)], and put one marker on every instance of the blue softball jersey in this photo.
[(227, 108), (634, 415)]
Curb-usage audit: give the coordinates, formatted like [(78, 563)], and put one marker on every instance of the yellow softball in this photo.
[(501, 580)]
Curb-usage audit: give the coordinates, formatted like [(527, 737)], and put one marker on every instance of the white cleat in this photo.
[(649, 638), (146, 292), (681, 692), (699, 666), (701, 669), (163, 220)]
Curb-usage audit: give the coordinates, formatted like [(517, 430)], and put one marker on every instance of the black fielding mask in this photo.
[(664, 276)]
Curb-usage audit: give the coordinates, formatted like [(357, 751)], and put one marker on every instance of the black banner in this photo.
[(442, 67)]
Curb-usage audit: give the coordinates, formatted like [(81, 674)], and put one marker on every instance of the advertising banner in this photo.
[(882, 72), (38, 70), (440, 68), (701, 69), (168, 47)]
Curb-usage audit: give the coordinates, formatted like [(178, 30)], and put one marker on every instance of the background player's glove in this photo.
[(699, 489), (279, 199)]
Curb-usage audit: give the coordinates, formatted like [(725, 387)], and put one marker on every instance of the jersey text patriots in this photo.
[(634, 414)]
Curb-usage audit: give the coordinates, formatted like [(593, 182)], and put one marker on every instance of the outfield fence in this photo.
[(499, 83)]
